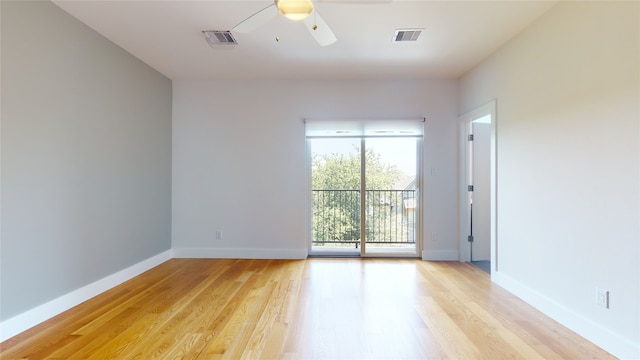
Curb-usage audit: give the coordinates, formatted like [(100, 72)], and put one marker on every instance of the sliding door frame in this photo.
[(417, 250)]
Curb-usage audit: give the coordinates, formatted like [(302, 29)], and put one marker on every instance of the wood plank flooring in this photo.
[(305, 309)]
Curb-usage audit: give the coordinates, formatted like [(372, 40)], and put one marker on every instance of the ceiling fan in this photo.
[(297, 10)]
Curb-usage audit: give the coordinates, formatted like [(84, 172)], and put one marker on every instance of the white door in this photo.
[(480, 197), (478, 168)]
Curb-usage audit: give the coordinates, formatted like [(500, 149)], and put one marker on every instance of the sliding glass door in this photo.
[(364, 191), (391, 179), (335, 178)]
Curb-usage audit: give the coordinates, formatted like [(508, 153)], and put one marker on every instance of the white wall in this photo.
[(239, 159), (567, 91), (86, 158)]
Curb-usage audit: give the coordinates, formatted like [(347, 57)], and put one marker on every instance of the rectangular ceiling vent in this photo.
[(219, 37), (406, 35)]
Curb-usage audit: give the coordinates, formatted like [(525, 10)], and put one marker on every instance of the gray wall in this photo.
[(569, 166), (86, 157)]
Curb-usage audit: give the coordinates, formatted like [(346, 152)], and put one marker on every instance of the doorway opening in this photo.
[(478, 241), (364, 189)]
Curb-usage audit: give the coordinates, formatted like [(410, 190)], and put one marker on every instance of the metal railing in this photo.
[(390, 217)]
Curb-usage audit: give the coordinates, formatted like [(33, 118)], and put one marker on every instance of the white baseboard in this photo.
[(234, 253), (615, 344), (19, 323), (440, 255)]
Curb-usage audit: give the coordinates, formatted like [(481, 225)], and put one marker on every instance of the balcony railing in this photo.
[(390, 217)]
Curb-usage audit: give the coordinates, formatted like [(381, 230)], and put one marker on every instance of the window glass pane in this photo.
[(391, 179), (335, 179)]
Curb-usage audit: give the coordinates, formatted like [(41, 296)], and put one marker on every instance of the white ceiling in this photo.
[(167, 35)]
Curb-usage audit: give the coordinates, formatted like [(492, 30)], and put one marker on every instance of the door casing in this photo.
[(465, 122)]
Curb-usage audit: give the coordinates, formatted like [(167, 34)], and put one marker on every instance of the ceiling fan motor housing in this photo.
[(295, 9)]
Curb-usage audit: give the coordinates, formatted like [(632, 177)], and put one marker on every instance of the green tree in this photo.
[(336, 202), (342, 172)]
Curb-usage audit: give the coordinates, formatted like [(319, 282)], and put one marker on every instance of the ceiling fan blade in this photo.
[(319, 29), (256, 20)]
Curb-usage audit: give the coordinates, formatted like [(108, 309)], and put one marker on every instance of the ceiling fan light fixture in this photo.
[(295, 9)]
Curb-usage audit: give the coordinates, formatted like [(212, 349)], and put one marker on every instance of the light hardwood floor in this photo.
[(306, 309)]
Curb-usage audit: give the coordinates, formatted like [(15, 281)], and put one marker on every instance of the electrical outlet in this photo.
[(602, 297), (218, 234), (434, 236)]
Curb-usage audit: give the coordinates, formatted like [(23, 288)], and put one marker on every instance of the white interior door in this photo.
[(478, 167), (480, 197)]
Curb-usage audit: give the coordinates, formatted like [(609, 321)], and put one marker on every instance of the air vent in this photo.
[(406, 35), (219, 37)]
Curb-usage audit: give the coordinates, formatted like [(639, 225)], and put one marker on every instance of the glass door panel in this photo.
[(335, 198), (391, 199)]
